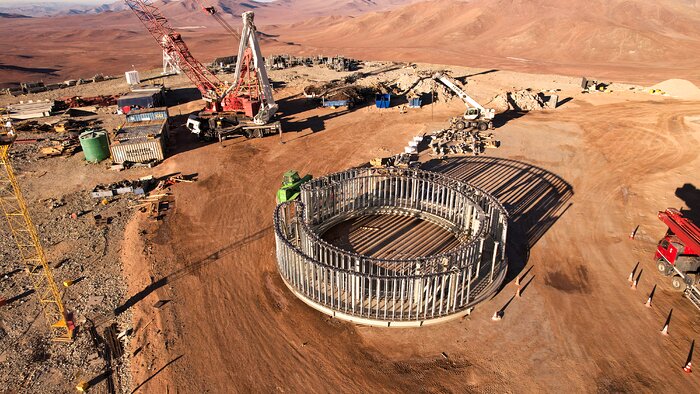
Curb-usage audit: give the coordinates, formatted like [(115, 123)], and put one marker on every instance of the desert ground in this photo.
[(575, 180)]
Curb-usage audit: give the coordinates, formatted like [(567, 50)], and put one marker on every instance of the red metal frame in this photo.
[(245, 97), (680, 231), (171, 42)]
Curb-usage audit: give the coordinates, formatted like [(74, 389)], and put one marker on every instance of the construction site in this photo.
[(280, 216)]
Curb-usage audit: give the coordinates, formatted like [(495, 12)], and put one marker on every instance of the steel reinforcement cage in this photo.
[(396, 292)]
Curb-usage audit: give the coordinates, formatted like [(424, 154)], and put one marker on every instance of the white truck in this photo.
[(475, 116)]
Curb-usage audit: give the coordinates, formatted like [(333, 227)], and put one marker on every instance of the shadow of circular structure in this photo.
[(392, 292)]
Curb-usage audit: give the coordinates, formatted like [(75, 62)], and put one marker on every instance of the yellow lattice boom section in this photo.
[(14, 208)]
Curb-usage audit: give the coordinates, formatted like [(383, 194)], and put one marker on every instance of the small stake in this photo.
[(651, 295), (664, 331), (688, 368), (517, 280), (517, 292), (634, 232), (634, 270), (497, 316), (636, 281)]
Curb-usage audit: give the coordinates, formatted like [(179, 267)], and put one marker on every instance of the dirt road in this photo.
[(576, 182)]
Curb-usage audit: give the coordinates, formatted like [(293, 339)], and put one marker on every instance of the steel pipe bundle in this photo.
[(396, 292)]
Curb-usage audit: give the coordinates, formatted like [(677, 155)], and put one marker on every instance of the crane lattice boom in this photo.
[(14, 208), (171, 42)]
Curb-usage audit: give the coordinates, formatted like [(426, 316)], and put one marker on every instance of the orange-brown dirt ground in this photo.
[(576, 181)]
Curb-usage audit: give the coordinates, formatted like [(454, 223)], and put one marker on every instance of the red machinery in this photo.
[(678, 253), (243, 97)]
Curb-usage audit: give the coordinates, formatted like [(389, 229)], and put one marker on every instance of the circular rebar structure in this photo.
[(391, 292)]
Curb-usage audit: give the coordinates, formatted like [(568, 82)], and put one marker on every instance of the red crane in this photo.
[(171, 42), (243, 97)]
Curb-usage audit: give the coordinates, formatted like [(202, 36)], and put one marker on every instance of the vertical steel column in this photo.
[(469, 284), (493, 260)]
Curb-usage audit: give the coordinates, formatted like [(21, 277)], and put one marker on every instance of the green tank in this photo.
[(95, 145)]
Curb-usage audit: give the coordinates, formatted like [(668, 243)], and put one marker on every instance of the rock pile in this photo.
[(522, 100)]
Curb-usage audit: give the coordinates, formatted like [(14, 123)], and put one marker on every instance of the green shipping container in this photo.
[(95, 145)]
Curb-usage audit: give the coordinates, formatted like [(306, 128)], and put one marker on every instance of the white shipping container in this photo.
[(132, 77), (137, 152)]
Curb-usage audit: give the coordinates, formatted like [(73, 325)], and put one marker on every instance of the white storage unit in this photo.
[(132, 77), (139, 142)]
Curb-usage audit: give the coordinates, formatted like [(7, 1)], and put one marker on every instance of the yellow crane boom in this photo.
[(31, 253)]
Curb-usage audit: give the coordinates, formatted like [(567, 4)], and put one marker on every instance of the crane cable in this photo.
[(213, 12)]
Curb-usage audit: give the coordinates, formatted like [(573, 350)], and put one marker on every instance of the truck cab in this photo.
[(678, 252)]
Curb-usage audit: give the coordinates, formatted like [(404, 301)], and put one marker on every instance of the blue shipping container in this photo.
[(142, 115), (383, 100)]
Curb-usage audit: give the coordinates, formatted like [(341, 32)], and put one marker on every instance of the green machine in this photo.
[(291, 183)]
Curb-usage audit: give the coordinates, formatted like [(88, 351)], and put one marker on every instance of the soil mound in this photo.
[(520, 100), (679, 88)]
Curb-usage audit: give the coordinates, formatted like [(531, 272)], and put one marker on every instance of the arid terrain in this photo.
[(625, 40), (575, 180)]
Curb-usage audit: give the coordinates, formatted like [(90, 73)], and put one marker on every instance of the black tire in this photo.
[(678, 283), (662, 267), (483, 126), (460, 125)]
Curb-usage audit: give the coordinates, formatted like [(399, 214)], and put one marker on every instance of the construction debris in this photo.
[(31, 109), (336, 94), (590, 85), (336, 63), (401, 160), (65, 147), (99, 101), (523, 100), (461, 142), (138, 187)]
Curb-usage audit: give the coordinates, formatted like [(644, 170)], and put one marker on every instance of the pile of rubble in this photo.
[(523, 100), (335, 90), (451, 141)]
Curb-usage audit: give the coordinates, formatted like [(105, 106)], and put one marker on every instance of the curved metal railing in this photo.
[(376, 290)]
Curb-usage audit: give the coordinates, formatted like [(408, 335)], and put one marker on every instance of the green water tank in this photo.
[(95, 145)]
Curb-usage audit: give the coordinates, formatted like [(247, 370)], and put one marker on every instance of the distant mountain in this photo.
[(7, 15), (42, 9), (525, 34), (274, 11)]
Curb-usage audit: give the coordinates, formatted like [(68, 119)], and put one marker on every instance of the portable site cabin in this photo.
[(139, 142)]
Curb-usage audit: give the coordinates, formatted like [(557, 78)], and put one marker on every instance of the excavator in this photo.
[(475, 116), (246, 107)]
